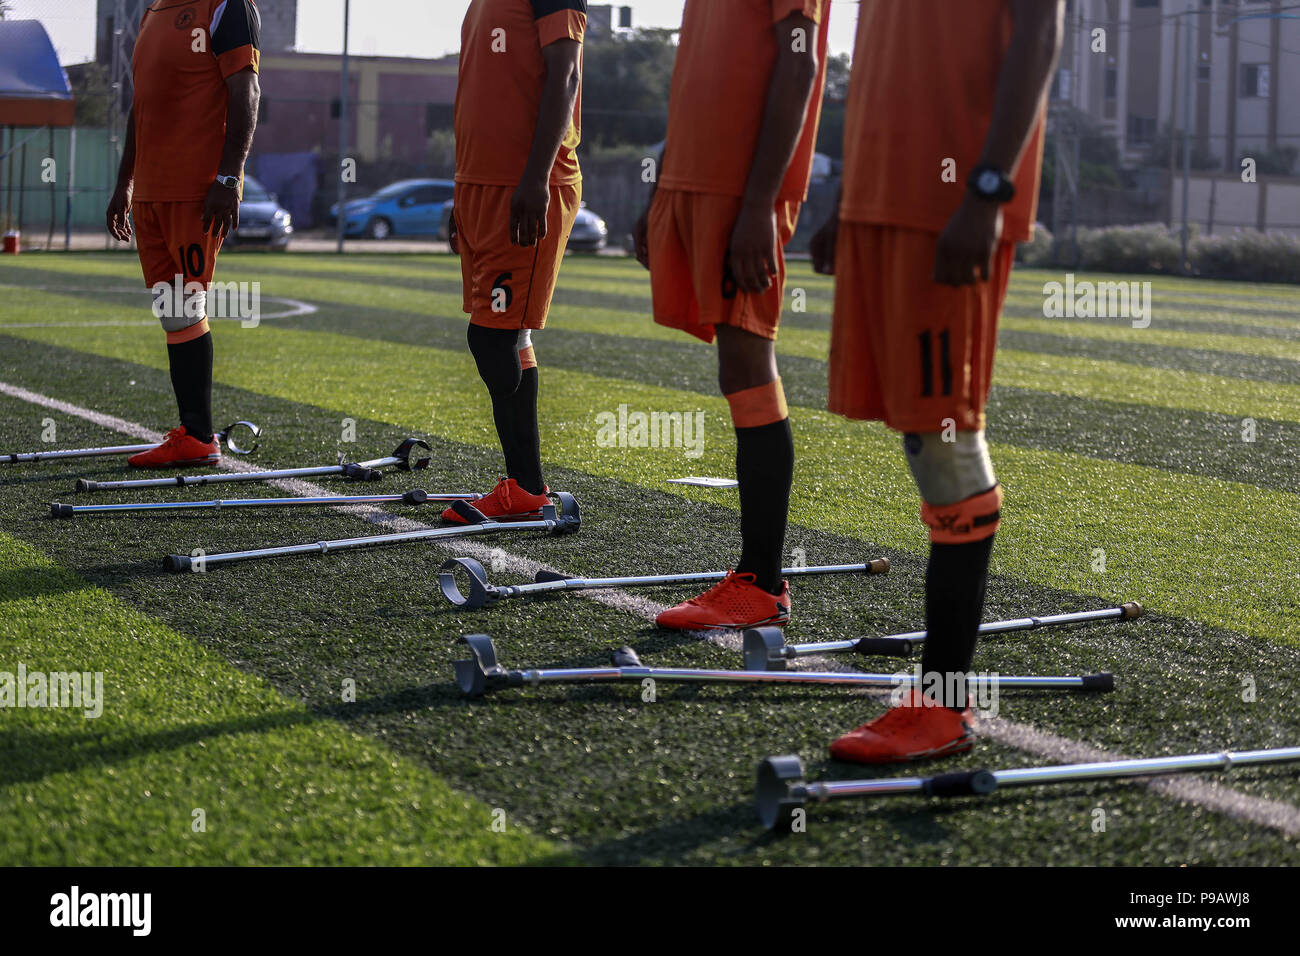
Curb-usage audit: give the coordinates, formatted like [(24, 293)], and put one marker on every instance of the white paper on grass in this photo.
[(705, 482)]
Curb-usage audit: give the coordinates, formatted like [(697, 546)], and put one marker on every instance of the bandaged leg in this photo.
[(962, 507), (182, 310)]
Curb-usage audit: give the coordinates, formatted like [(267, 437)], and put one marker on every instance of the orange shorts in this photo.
[(170, 240), (689, 279), (508, 286), (904, 349)]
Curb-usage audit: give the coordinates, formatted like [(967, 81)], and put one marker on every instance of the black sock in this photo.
[(497, 357), (527, 467), (191, 369), (954, 605), (765, 470)]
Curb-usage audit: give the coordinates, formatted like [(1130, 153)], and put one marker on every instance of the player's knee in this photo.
[(524, 346), (496, 353), (962, 500), (758, 406), (182, 310), (745, 360)]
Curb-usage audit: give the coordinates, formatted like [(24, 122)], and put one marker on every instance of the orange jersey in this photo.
[(499, 90), (925, 76), (719, 95), (185, 52)]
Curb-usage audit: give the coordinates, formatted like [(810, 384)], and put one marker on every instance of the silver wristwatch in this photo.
[(230, 182)]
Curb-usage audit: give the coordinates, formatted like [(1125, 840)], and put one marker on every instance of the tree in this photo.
[(626, 80)]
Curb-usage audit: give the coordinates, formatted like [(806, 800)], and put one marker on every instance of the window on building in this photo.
[(438, 116), (1141, 129), (336, 108), (1112, 83), (1203, 72), (1254, 80), (1146, 3)]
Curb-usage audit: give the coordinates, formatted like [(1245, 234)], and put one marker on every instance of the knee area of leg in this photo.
[(947, 472), (496, 354)]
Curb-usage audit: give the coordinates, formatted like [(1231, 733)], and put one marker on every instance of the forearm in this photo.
[(788, 95), (126, 168), (1024, 79), (554, 117), (241, 123)]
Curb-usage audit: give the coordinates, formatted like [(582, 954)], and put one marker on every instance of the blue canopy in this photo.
[(34, 89)]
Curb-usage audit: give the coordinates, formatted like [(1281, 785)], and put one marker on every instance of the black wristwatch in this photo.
[(230, 182), (991, 184)]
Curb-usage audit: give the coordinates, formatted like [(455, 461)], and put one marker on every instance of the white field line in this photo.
[(293, 308), (1211, 795)]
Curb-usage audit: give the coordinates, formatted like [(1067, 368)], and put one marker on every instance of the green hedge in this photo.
[(1246, 255)]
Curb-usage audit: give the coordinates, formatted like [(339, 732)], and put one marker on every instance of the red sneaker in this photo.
[(917, 729), (178, 448), (734, 603), (506, 500)]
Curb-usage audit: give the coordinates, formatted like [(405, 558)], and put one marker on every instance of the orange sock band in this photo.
[(188, 334), (969, 520), (527, 358), (757, 406)]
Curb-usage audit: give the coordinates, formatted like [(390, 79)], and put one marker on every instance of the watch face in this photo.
[(989, 182)]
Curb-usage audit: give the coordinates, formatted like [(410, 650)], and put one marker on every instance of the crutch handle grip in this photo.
[(416, 496), (1098, 682), (61, 511), (885, 646), (360, 473), (963, 783)]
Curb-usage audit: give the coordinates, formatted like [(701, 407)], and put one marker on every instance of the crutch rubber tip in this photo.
[(963, 783), (885, 646), (624, 657), (176, 563), (1132, 609), (85, 485), (61, 511), (878, 566), (417, 496), (1098, 682)]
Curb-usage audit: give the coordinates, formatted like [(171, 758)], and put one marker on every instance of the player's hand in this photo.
[(119, 214), (220, 210), (528, 209), (453, 234), (754, 250), (965, 251), (641, 238), (823, 246)]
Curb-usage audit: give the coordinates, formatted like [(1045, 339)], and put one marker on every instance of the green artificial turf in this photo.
[(1194, 522)]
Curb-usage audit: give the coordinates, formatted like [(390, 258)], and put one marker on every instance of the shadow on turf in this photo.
[(38, 582)]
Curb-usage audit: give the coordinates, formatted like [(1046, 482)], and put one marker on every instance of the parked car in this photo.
[(262, 220), (589, 230), (409, 207)]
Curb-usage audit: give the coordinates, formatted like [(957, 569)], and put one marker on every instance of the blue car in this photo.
[(410, 207)]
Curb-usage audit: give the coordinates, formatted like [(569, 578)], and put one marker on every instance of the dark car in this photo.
[(589, 231), (409, 207), (262, 220)]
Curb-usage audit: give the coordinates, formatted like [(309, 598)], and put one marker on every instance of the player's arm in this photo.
[(965, 249), (221, 207), (119, 204), (754, 239), (641, 231), (532, 198)]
